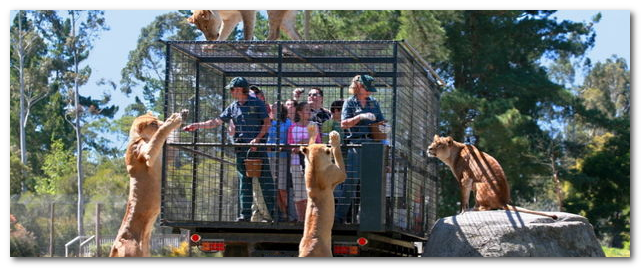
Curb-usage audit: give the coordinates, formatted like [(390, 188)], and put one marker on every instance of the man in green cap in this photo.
[(358, 113), (251, 123)]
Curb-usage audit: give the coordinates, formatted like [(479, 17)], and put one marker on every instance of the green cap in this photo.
[(367, 82), (237, 82)]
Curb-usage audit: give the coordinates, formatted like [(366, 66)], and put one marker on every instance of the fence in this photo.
[(52, 221)]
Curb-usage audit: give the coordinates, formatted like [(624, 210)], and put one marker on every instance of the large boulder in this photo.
[(502, 233)]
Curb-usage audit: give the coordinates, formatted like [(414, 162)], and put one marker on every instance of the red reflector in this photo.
[(195, 238), (346, 250), (212, 246), (340, 249), (362, 241)]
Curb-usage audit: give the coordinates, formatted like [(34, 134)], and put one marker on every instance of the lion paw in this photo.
[(174, 120), (334, 139)]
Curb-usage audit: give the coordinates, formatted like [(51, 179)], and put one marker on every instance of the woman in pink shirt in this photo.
[(298, 134)]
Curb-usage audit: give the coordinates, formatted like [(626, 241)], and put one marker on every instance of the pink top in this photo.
[(297, 134)]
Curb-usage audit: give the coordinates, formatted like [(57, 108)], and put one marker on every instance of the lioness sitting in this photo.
[(143, 158), (479, 171), (321, 176)]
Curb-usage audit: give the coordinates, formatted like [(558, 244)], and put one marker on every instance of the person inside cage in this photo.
[(298, 134), (251, 123), (359, 112), (318, 114), (290, 105), (334, 123), (277, 134)]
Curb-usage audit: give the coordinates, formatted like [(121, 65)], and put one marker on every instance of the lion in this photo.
[(143, 158), (478, 171), (321, 177), (217, 25)]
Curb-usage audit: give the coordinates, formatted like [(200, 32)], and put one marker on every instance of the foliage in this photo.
[(23, 243), (618, 252), (59, 171), (146, 65), (19, 173)]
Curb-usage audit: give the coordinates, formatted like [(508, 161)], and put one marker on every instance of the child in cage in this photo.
[(277, 134), (334, 123), (297, 134)]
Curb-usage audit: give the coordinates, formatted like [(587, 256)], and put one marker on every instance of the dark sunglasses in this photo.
[(314, 95)]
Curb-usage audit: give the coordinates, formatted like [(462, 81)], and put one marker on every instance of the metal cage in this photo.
[(200, 181)]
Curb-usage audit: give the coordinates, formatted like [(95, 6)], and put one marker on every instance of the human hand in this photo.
[(256, 140), (191, 127), (368, 116), (297, 92)]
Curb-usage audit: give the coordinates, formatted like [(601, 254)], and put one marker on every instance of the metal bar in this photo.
[(194, 162), (245, 58), (288, 42), (309, 61), (426, 65), (70, 243), (221, 171), (163, 176), (363, 60), (393, 142), (304, 74), (259, 145)]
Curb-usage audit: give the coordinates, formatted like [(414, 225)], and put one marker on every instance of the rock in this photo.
[(502, 233)]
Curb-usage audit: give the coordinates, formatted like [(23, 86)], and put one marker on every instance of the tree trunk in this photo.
[(23, 138), (78, 132), (557, 184)]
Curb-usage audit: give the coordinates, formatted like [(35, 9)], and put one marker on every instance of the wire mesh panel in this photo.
[(206, 177)]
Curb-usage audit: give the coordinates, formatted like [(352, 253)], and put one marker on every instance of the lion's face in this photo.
[(208, 22), (440, 147), (145, 126), (318, 155)]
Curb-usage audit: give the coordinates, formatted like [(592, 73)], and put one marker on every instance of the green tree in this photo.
[(146, 64), (59, 171), (501, 91), (599, 182)]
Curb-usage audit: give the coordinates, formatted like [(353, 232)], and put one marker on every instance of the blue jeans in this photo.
[(346, 192), (245, 197)]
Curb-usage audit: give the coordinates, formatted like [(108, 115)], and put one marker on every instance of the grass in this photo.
[(617, 252)]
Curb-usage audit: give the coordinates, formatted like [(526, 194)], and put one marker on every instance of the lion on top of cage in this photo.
[(478, 171), (321, 177), (143, 158), (217, 25)]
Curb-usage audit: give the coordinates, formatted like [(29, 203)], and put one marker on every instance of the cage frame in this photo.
[(434, 84)]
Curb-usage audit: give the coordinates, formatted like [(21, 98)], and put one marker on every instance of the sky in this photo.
[(111, 50)]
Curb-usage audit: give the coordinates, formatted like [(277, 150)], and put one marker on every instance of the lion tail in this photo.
[(524, 210)]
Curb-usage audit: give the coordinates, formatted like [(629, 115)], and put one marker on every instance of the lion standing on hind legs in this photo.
[(321, 177), (143, 158), (478, 171)]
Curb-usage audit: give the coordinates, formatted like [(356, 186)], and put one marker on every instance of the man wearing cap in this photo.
[(251, 122), (358, 113)]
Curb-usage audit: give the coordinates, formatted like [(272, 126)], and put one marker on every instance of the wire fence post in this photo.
[(98, 253), (51, 240)]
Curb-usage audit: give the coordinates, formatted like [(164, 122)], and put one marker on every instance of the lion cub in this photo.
[(143, 158), (321, 176), (478, 171)]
